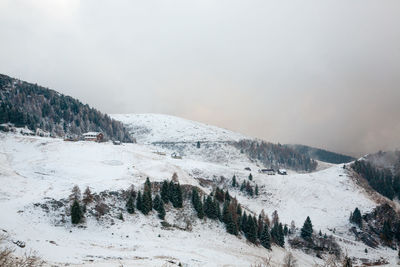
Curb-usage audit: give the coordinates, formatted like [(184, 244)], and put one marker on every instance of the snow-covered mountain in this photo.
[(151, 128), (38, 172)]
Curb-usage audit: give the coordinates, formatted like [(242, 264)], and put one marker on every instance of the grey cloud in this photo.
[(322, 73)]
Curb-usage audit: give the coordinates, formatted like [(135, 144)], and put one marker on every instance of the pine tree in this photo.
[(265, 238), (200, 212), (225, 212), (198, 144), (256, 190), (165, 192), (252, 230), (307, 230), (243, 186), (281, 236), (356, 218), (130, 205), (243, 224), (250, 177), (285, 230), (76, 212), (157, 202), (230, 224), (147, 203), (171, 191), (139, 204), (178, 196), (227, 196), (161, 210), (260, 225), (234, 183), (195, 199), (217, 209)]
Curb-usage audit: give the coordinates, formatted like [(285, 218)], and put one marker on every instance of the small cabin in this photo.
[(267, 171), (282, 172), (93, 136)]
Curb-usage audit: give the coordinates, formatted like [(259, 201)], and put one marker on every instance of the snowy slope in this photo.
[(35, 169), (149, 128)]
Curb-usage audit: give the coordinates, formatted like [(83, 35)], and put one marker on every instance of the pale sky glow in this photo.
[(321, 73)]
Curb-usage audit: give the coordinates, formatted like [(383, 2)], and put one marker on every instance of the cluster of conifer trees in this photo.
[(382, 180), (245, 186), (238, 222), (170, 192), (218, 205), (26, 104)]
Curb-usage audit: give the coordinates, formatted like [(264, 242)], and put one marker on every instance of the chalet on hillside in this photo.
[(267, 171), (93, 136)]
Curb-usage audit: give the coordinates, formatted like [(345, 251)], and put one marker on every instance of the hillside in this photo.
[(321, 154), (40, 172), (33, 106), (201, 141)]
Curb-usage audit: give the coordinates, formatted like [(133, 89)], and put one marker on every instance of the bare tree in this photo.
[(75, 194), (289, 260), (87, 196)]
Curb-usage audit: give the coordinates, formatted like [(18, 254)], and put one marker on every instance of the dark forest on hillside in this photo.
[(27, 104)]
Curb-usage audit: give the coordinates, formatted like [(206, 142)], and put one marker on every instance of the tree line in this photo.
[(26, 104)]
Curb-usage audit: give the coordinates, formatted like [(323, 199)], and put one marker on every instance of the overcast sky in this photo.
[(321, 73)]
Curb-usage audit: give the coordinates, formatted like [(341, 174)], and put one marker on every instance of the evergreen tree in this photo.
[(250, 177), (251, 234), (157, 202), (139, 204), (243, 224), (161, 210), (178, 196), (171, 191), (195, 199), (198, 144), (217, 209), (225, 212), (265, 238), (200, 212), (285, 230), (76, 212), (165, 192), (387, 234), (231, 227), (234, 183), (281, 236), (256, 190), (307, 230), (227, 196), (130, 205), (243, 186), (356, 218), (260, 225), (147, 203)]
